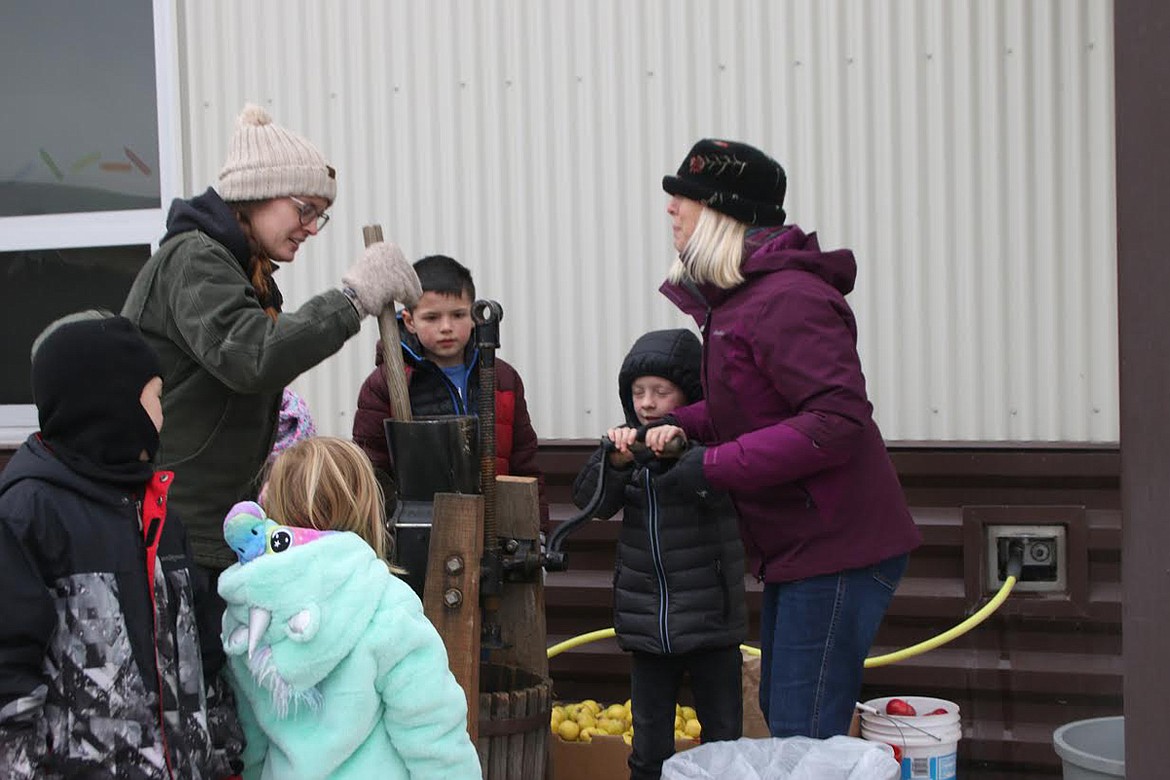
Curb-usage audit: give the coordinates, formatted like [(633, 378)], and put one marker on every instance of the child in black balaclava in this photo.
[(88, 378), (101, 668)]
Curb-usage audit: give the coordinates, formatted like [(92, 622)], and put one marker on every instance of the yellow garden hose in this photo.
[(878, 660), (581, 639), (950, 634)]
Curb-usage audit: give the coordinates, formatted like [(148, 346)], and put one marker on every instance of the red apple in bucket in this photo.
[(900, 707)]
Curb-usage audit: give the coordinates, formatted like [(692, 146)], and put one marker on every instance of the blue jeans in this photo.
[(814, 635)]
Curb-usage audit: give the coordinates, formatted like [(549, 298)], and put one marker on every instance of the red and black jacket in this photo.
[(432, 393)]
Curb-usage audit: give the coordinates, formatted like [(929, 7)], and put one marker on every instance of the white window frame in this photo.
[(108, 228)]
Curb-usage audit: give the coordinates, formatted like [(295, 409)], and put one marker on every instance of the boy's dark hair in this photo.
[(444, 275)]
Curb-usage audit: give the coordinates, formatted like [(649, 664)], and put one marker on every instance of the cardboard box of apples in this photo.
[(591, 740)]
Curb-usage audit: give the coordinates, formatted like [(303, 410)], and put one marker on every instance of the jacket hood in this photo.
[(766, 251), (307, 606), (674, 354), (790, 249), (34, 460), (210, 214)]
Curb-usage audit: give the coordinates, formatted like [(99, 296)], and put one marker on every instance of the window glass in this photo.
[(37, 287), (80, 107)]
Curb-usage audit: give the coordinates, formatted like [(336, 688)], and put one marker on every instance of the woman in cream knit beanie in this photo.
[(270, 173), (268, 161), (206, 301)]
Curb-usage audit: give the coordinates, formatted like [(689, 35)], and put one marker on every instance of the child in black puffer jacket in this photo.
[(678, 575)]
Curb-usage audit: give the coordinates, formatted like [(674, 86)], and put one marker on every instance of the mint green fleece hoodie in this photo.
[(347, 679)]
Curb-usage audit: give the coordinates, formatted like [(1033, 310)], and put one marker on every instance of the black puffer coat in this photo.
[(679, 568)]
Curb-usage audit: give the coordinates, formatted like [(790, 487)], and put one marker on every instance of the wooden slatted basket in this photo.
[(514, 711)]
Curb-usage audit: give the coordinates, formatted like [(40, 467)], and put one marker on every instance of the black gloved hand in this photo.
[(669, 419), (686, 477)]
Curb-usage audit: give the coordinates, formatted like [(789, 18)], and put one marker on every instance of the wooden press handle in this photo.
[(392, 367)]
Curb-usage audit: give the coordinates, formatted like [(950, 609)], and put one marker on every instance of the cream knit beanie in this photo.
[(268, 161)]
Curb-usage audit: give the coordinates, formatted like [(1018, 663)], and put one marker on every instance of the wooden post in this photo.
[(521, 613), (1142, 117), (392, 366), (451, 593)]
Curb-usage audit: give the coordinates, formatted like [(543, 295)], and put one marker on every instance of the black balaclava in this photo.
[(87, 379)]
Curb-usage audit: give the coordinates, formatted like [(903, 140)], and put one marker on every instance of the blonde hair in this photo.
[(713, 253), (328, 483)]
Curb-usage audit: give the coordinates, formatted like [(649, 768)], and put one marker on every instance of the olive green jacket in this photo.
[(225, 364)]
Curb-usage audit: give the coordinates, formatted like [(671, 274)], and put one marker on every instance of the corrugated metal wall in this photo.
[(963, 149)]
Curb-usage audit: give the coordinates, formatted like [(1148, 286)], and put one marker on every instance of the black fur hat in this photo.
[(733, 178)]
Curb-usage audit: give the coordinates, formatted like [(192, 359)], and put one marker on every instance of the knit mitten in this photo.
[(379, 277)]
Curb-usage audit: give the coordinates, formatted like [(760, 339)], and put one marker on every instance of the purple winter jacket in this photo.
[(789, 429)]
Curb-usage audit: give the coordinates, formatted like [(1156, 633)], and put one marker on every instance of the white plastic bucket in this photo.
[(929, 743)]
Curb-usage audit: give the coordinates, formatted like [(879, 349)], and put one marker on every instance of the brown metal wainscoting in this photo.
[(1040, 661)]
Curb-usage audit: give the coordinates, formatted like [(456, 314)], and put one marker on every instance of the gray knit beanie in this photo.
[(268, 161)]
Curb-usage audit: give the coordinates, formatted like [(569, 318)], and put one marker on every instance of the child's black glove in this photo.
[(669, 419), (686, 477)]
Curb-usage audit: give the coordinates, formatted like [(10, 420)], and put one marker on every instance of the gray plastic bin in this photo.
[(1092, 749)]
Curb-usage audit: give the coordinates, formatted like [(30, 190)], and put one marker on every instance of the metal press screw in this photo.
[(454, 565), (453, 598)]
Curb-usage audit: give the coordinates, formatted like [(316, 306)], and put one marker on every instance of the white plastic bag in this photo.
[(790, 758)]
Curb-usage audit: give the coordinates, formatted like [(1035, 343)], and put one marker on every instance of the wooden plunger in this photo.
[(392, 366)]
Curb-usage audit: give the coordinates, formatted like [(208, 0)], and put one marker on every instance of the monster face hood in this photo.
[(297, 609)]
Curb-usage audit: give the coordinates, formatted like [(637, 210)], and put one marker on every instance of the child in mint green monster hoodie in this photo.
[(337, 672)]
